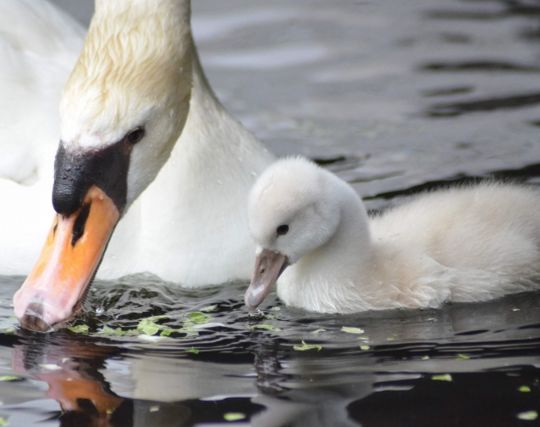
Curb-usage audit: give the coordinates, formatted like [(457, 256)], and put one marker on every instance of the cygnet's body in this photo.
[(463, 244)]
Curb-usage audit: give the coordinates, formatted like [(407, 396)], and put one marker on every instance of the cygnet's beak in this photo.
[(268, 267)]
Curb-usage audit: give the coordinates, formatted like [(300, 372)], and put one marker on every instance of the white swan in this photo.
[(141, 136), (462, 244)]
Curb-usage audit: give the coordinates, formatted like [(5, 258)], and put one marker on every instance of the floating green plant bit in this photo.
[(167, 332), (462, 356), (198, 317), (424, 358), (352, 330), (442, 377), (148, 326), (8, 378), (524, 389), (79, 329), (528, 415), (364, 347), (318, 331), (234, 416), (264, 327), (390, 338), (3, 422), (193, 350), (209, 308), (306, 347)]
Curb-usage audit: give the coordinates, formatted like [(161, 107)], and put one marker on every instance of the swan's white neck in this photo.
[(195, 210)]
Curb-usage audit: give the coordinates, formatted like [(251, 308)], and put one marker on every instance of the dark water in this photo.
[(394, 96), (218, 360)]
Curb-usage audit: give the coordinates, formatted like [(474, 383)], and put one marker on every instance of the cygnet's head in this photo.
[(292, 211)]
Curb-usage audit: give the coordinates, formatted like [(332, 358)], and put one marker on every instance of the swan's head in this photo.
[(126, 100), (122, 110), (293, 210)]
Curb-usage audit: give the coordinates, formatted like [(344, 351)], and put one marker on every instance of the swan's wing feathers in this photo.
[(34, 67)]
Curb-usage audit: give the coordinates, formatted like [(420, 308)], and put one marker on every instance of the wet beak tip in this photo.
[(33, 319), (250, 301), (35, 324)]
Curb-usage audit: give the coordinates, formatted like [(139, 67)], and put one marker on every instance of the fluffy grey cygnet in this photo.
[(461, 244)]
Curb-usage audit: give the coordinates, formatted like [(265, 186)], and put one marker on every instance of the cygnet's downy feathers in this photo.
[(461, 244)]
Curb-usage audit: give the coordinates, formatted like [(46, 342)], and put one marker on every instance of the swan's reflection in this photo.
[(95, 386), (71, 370), (165, 391)]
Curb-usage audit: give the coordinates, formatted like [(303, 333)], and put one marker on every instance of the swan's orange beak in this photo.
[(54, 290)]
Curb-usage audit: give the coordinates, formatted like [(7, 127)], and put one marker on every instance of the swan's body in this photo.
[(463, 244), (189, 215), (38, 46), (142, 138)]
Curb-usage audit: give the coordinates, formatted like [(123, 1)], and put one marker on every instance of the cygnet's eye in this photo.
[(135, 135), (282, 230)]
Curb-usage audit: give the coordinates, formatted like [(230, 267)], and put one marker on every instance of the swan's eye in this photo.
[(282, 230), (135, 135)]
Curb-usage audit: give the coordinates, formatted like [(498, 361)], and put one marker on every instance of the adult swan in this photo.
[(146, 148)]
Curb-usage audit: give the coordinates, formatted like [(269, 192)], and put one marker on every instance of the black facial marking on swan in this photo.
[(80, 222)]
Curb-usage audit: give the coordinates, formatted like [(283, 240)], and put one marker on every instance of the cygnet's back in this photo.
[(493, 227)]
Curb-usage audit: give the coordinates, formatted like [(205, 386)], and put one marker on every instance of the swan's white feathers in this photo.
[(189, 224), (37, 28), (38, 46), (133, 60), (33, 69)]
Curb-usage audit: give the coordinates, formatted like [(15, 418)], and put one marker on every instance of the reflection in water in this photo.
[(488, 350), (70, 368)]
